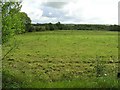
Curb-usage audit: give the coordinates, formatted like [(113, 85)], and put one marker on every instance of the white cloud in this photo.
[(73, 11)]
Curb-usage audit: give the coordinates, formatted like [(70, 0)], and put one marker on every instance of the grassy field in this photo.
[(62, 59)]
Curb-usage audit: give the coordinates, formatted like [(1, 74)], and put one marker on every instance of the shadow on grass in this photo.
[(10, 81)]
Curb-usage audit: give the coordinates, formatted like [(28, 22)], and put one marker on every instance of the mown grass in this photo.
[(63, 59)]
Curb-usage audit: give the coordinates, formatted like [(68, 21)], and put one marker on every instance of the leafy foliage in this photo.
[(13, 21), (9, 11)]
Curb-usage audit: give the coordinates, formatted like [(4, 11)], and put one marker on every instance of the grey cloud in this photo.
[(59, 14), (57, 5), (55, 13)]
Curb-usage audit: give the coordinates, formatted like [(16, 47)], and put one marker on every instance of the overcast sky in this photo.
[(72, 11)]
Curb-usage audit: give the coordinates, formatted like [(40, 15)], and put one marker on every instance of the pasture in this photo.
[(62, 59)]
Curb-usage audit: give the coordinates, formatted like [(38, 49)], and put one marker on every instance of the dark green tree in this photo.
[(24, 21)]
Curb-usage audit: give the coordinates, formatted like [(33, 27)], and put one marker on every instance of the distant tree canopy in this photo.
[(59, 26), (13, 21)]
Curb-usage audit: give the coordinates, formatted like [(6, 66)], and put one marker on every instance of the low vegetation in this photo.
[(62, 59)]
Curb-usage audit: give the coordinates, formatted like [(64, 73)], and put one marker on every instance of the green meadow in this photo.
[(62, 59)]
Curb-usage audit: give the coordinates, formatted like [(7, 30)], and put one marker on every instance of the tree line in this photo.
[(59, 26)]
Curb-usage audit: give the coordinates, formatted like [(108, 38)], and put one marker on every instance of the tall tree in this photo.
[(26, 21), (9, 11), (13, 22)]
